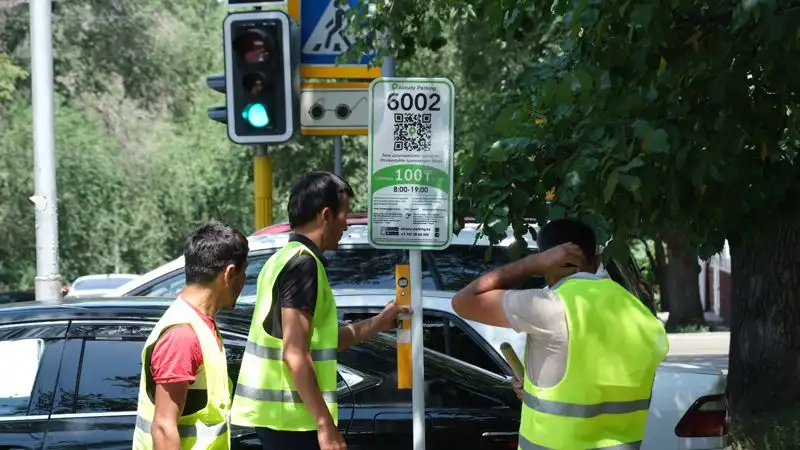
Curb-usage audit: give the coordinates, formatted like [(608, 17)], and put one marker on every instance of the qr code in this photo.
[(412, 132)]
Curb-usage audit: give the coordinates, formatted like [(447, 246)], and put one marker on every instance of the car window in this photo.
[(234, 352), (16, 385), (100, 283), (110, 371), (109, 376), (172, 285), (447, 337), (465, 348), (458, 265), (359, 267), (367, 268), (446, 380)]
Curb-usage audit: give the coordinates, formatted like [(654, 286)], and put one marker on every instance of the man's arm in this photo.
[(174, 363), (170, 399), (296, 331), (482, 300), (354, 333)]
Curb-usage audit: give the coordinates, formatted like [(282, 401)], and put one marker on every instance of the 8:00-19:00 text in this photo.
[(421, 189)]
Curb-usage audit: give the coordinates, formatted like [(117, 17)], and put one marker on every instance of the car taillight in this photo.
[(707, 417)]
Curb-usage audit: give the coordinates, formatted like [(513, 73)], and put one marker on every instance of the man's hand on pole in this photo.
[(387, 319), (517, 384)]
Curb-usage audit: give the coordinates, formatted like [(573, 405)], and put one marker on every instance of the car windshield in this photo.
[(100, 283), (364, 267), (459, 265)]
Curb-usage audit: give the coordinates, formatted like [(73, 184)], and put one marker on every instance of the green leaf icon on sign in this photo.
[(412, 130)]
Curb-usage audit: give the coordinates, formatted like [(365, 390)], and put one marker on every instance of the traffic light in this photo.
[(262, 77)]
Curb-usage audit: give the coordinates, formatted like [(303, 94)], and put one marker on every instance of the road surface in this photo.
[(702, 349)]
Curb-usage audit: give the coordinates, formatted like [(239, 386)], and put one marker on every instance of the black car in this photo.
[(71, 380)]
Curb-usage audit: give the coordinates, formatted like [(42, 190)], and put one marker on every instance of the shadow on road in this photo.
[(719, 362)]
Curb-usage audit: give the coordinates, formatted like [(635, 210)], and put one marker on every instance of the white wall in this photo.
[(721, 262)]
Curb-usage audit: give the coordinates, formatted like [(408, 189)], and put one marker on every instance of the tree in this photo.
[(682, 287), (138, 162), (654, 118)]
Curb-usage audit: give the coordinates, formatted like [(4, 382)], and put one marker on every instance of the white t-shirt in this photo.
[(540, 314)]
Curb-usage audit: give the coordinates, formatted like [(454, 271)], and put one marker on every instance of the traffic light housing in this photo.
[(262, 77)]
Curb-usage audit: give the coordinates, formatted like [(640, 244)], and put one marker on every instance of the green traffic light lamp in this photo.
[(256, 115)]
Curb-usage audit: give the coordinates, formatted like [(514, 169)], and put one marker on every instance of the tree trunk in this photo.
[(763, 387), (683, 290), (661, 273)]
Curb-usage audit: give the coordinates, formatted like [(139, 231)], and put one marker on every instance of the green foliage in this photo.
[(139, 165), (9, 75), (639, 253), (657, 117)]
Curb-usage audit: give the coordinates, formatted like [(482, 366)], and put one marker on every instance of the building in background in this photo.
[(715, 284)]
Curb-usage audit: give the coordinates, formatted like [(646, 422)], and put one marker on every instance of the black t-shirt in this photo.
[(295, 287)]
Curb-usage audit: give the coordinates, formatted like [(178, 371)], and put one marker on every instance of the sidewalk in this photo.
[(714, 321)]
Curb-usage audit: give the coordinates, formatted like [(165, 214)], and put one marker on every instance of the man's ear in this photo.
[(229, 273), (326, 213)]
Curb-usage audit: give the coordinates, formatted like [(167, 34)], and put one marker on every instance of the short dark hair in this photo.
[(211, 248), (562, 231), (314, 192)]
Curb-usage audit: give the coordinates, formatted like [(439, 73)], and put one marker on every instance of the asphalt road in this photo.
[(702, 349)]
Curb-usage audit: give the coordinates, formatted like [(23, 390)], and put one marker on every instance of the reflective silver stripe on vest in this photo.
[(188, 431), (583, 411), (525, 444), (260, 351), (276, 395)]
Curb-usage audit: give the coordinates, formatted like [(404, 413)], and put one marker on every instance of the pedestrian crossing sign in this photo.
[(324, 36)]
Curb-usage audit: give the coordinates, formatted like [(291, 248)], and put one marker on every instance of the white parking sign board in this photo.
[(411, 163)]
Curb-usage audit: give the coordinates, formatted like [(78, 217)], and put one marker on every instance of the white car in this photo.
[(98, 285), (687, 411)]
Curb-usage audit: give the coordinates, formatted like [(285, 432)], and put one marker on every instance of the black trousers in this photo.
[(287, 440)]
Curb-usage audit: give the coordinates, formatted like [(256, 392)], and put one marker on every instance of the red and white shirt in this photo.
[(177, 355)]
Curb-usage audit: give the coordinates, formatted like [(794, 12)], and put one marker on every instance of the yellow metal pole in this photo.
[(403, 298), (262, 186)]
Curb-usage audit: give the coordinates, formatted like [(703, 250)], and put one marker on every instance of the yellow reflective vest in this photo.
[(204, 420), (266, 395), (615, 346)]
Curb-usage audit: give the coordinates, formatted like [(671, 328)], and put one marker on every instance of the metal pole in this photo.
[(45, 198), (387, 68), (417, 345), (417, 350), (262, 187), (337, 155)]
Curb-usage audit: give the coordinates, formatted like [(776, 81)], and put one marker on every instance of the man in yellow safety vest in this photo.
[(592, 348), (287, 381), (184, 389)]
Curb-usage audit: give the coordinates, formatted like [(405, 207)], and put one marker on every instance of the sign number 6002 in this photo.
[(420, 102)]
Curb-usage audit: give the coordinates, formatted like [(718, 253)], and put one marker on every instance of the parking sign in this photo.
[(411, 163)]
